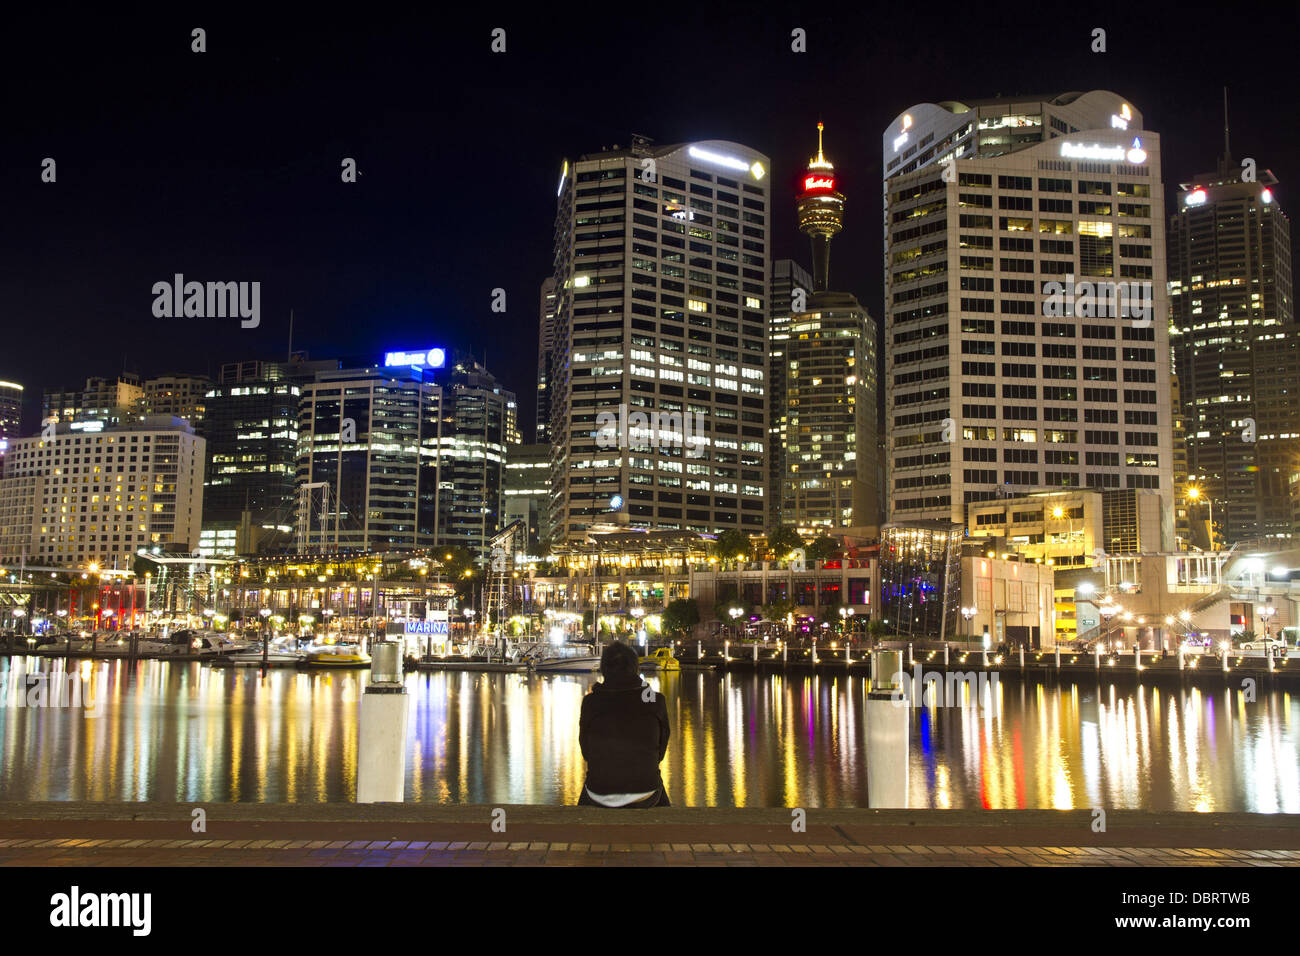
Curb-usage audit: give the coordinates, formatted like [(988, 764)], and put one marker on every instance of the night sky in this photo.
[(225, 165)]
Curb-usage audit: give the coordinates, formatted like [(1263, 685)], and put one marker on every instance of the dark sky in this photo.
[(225, 165)]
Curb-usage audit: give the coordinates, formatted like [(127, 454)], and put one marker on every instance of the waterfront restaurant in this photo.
[(628, 573), (349, 594)]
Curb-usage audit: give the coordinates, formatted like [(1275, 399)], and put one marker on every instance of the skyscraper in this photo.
[(828, 383), (658, 388), (1236, 349), (789, 281), (11, 411), (1004, 374), (391, 460), (545, 346)]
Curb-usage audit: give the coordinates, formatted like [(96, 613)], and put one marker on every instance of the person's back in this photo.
[(623, 732)]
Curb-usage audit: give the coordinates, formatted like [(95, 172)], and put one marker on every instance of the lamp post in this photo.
[(735, 613), (1195, 494), (638, 613), (1107, 611), (968, 613), (1266, 612), (265, 613)]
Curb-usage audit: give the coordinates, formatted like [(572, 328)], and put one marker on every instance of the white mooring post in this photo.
[(1181, 662), (888, 727), (756, 652), (1225, 657), (1137, 656), (945, 655), (1022, 657), (1058, 657), (381, 747), (1096, 655)]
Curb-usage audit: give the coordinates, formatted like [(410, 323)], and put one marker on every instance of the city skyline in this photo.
[(426, 266)]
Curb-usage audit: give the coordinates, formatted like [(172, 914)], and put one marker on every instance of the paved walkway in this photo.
[(424, 835)]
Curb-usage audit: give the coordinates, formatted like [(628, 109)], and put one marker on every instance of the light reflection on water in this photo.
[(189, 733)]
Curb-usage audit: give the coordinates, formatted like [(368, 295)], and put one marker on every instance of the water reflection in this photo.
[(186, 732)]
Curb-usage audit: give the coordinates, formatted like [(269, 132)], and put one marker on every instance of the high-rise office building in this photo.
[(528, 469), (1236, 351), (545, 345), (108, 400), (367, 475), (182, 396), (97, 495), (790, 281), (11, 412), (1027, 342), (477, 423), (390, 460), (658, 387), (251, 426), (828, 384)]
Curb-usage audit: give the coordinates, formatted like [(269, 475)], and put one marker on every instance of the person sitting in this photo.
[(623, 733)]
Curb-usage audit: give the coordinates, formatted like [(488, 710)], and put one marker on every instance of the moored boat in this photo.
[(335, 656), (568, 659)]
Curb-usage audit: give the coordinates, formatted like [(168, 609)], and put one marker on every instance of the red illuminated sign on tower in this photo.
[(813, 183)]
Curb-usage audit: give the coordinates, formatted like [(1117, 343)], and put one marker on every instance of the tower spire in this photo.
[(821, 211)]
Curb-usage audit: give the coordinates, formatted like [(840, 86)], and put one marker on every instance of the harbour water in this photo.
[(185, 732)]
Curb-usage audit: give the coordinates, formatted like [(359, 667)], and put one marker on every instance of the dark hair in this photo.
[(618, 662)]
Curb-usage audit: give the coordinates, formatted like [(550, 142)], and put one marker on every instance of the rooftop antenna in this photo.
[(289, 357)]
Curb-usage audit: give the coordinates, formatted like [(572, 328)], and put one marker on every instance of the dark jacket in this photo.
[(623, 737)]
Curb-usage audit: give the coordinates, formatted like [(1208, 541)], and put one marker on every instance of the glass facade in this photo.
[(920, 578)]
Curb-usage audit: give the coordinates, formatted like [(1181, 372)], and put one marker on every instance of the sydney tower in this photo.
[(821, 212)]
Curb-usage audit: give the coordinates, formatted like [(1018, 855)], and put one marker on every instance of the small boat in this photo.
[(661, 660), (335, 656), (277, 655), (568, 659)]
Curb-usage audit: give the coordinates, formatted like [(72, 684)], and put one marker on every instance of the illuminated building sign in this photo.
[(1195, 198), (87, 426), (899, 141), (1080, 151), (1266, 195), (731, 162), (431, 358), (818, 182), (435, 628), (1135, 154)]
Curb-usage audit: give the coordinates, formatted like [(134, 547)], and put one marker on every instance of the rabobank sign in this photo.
[(435, 628)]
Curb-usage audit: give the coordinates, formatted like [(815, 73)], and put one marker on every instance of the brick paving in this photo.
[(316, 835)]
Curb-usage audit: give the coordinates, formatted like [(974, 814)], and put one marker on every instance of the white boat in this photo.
[(277, 655), (568, 659)]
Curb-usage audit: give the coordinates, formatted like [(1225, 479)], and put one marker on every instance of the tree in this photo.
[(877, 629), (784, 540), (779, 609), (822, 548), (680, 616), (732, 545)]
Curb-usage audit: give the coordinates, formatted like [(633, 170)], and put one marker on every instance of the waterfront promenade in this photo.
[(85, 834)]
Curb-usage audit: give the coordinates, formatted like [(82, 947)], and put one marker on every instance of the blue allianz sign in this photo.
[(425, 358)]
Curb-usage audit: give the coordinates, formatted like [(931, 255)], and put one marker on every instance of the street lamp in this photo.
[(1107, 611), (735, 613), (968, 613), (638, 613), (1195, 494), (1266, 613)]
